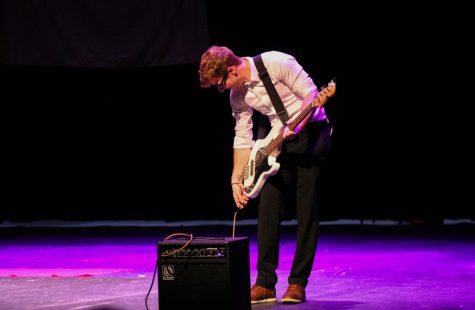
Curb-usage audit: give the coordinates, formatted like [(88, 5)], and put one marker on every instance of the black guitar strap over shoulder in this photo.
[(271, 91)]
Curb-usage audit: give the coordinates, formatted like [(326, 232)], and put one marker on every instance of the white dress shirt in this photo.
[(292, 84)]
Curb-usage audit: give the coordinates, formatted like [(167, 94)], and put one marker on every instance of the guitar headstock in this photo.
[(330, 89), (324, 94)]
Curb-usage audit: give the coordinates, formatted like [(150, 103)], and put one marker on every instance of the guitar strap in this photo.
[(271, 91)]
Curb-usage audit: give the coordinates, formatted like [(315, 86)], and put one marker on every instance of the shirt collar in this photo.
[(254, 73)]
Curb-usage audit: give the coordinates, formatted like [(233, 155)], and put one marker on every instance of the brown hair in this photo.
[(215, 62)]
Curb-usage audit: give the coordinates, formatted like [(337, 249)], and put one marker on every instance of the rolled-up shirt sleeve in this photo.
[(243, 115), (291, 73)]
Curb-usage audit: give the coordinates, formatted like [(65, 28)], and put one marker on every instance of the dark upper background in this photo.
[(102, 116)]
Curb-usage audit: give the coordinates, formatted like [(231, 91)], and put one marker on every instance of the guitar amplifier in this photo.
[(209, 273)]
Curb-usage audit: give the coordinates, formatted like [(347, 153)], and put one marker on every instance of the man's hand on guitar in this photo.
[(288, 134), (239, 196)]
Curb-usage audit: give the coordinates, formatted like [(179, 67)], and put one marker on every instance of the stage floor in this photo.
[(357, 267)]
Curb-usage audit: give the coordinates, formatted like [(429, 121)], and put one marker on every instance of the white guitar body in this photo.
[(255, 180)]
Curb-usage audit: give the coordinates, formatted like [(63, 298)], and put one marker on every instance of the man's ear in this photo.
[(233, 71)]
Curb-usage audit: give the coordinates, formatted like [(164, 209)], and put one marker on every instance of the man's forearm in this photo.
[(240, 158)]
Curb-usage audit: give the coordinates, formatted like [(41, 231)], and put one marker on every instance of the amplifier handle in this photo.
[(183, 247)]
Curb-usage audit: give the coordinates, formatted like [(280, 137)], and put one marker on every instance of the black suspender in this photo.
[(274, 96)]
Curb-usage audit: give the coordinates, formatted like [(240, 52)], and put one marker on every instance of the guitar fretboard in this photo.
[(321, 98)]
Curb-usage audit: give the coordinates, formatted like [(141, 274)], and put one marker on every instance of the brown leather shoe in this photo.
[(295, 294), (260, 294)]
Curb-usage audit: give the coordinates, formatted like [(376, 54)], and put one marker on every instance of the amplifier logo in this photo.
[(168, 272)]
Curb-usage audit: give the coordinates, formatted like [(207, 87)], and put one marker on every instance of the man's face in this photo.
[(228, 81), (220, 83)]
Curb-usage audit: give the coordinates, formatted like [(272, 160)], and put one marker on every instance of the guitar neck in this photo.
[(280, 138)]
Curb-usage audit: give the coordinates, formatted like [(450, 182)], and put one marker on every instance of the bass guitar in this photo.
[(262, 161)]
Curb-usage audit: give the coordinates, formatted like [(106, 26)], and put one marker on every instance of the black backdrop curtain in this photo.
[(102, 33), (149, 143)]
